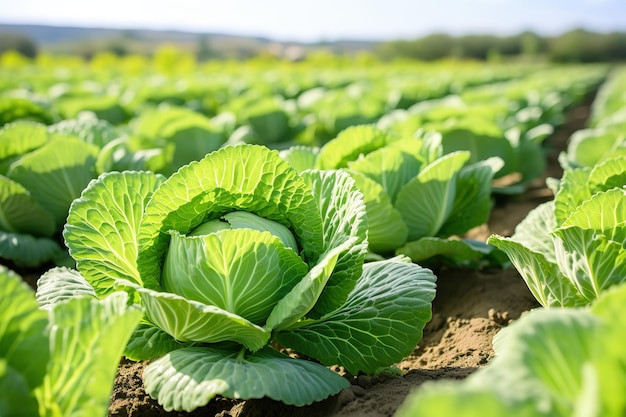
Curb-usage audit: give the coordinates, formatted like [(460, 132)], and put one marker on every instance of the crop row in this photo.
[(45, 167), (565, 358)]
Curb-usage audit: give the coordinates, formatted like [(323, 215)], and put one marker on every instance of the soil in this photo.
[(470, 307)]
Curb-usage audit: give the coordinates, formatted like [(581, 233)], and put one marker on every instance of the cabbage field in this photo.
[(311, 238)]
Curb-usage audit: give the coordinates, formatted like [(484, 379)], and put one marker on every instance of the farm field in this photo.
[(469, 309), (362, 220)]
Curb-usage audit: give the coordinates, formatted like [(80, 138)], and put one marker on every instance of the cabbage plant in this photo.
[(239, 260), (571, 249), (42, 170), (416, 197)]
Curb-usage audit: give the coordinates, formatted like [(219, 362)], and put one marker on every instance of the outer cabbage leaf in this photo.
[(589, 147), (20, 137), (609, 307), (483, 140), (60, 284), (551, 350), (343, 214), (379, 324), (456, 252), (301, 158), (426, 201), (21, 213), (425, 147), (268, 120), (543, 278), (530, 157), (56, 173), (472, 200), (149, 342), (88, 128), (386, 228), (192, 134), (590, 260), (61, 362), (23, 346), (349, 145), (461, 400), (87, 338), (605, 211), (609, 174), (104, 107), (28, 251), (562, 362), (118, 155), (25, 227), (103, 224), (534, 230), (573, 190), (19, 108), (190, 321), (189, 378), (390, 167), (590, 246), (586, 251)]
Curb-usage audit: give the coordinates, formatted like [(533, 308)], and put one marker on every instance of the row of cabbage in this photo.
[(45, 167), (288, 246), (278, 104), (566, 358)]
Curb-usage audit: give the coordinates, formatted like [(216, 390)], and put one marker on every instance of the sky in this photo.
[(326, 20)]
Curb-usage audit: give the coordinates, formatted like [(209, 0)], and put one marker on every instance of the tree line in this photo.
[(577, 45)]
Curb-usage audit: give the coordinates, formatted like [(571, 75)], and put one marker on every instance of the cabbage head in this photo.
[(242, 264)]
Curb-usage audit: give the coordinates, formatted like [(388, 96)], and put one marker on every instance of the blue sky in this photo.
[(314, 20)]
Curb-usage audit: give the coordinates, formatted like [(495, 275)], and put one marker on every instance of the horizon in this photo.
[(311, 42), (327, 21)]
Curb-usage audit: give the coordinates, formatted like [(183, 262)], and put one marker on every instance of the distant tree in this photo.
[(204, 51), (580, 45), (531, 43), (478, 46), (10, 41), (577, 45), (507, 45), (616, 46), (435, 46), (118, 47)]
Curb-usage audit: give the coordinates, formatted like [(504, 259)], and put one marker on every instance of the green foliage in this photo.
[(411, 190), (605, 138), (60, 360), (43, 172), (20, 43), (571, 250), (17, 108), (577, 45), (176, 134), (235, 251)]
